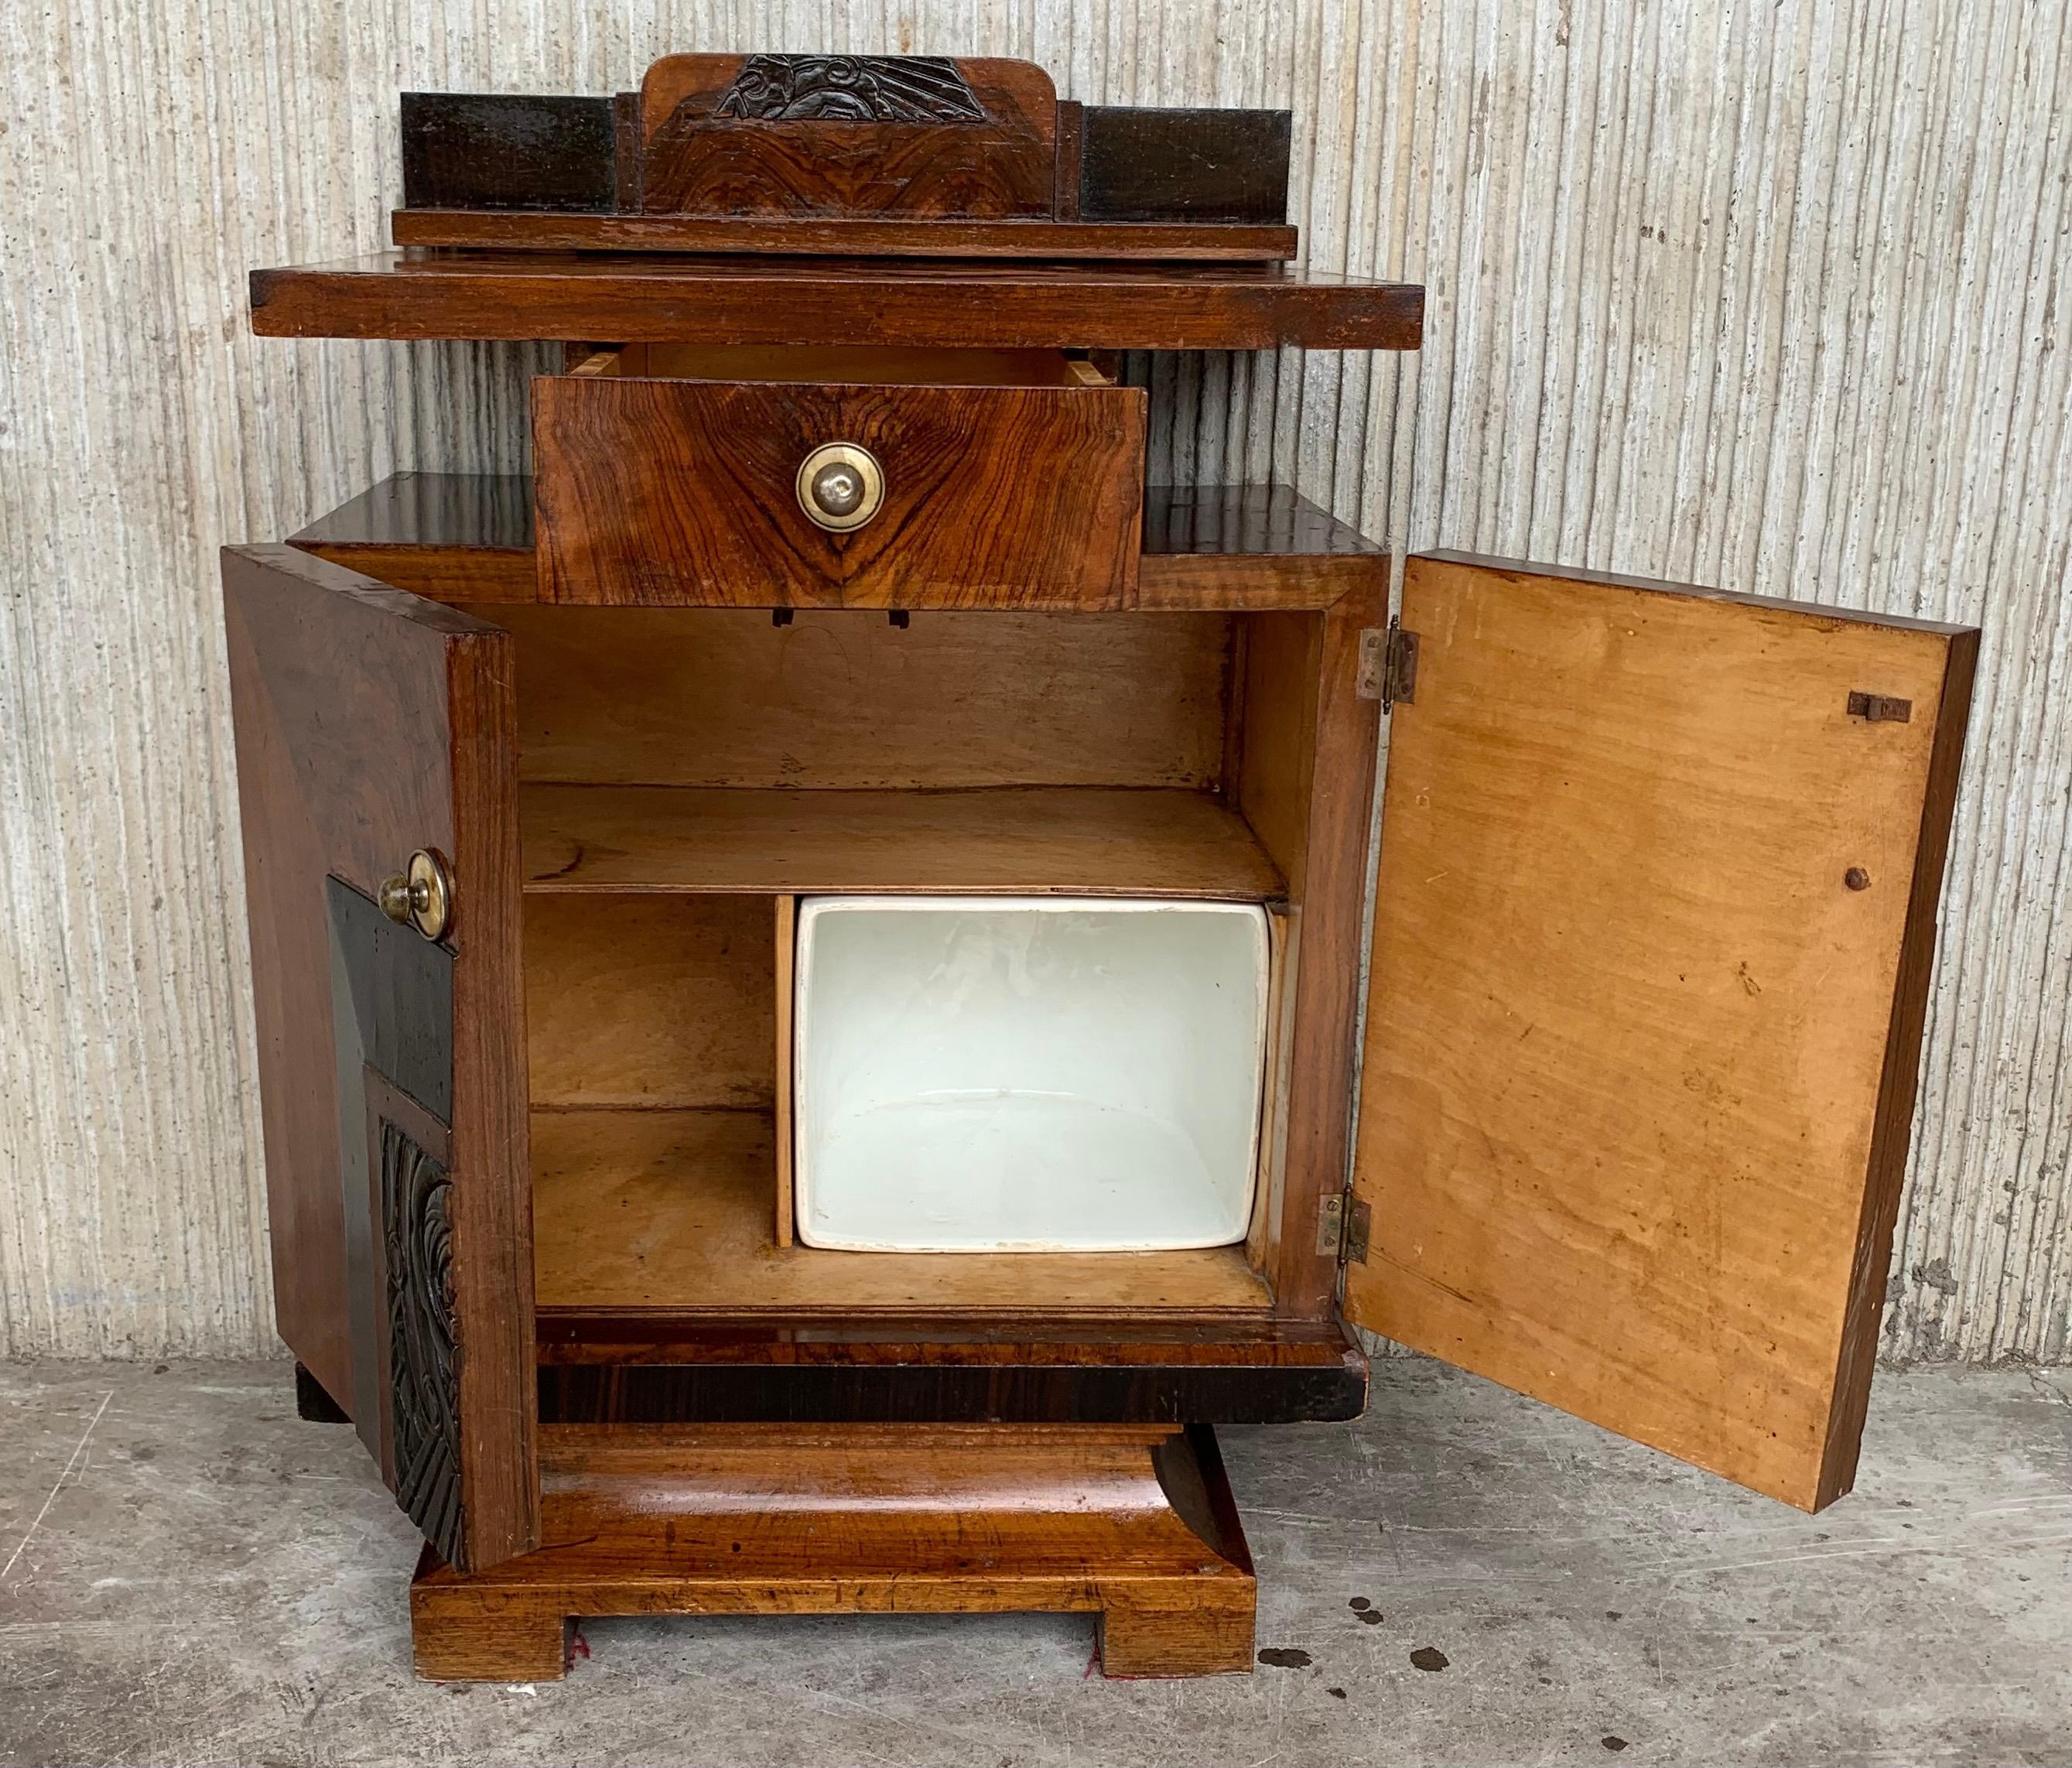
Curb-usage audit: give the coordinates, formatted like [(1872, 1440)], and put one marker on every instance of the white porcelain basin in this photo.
[(1026, 1074)]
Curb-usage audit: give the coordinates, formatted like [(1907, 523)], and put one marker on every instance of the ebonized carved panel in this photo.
[(416, 1195), (850, 89)]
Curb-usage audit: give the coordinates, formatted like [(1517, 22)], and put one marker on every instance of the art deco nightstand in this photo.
[(784, 825)]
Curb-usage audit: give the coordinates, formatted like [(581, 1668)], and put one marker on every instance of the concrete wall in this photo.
[(1771, 297)]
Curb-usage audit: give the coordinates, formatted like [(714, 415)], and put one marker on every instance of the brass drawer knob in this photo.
[(421, 896), (841, 487)]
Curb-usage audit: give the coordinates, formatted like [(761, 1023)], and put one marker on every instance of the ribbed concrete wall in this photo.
[(1768, 297)]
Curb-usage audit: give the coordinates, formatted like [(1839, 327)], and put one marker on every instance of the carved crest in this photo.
[(416, 1193), (850, 89)]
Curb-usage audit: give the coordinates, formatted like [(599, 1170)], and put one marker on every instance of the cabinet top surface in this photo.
[(632, 297)]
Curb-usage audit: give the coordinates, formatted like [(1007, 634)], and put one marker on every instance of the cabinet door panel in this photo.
[(370, 723), (1654, 918)]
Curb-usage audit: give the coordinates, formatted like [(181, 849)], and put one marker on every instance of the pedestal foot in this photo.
[(1134, 1525), (1206, 1639), (458, 1635)]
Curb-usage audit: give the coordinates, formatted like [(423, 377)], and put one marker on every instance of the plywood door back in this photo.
[(1655, 918)]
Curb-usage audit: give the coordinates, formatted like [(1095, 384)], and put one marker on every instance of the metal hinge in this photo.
[(1388, 665), (1342, 1229)]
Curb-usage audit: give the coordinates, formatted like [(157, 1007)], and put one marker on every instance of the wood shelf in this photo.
[(650, 1212), (629, 297), (1015, 840)]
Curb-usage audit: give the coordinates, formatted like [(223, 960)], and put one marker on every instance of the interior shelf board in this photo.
[(1010, 841), (652, 1212)]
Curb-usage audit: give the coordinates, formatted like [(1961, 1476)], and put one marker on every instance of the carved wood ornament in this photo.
[(850, 89), (417, 1194)]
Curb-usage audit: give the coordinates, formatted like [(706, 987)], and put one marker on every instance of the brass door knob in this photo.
[(421, 895), (841, 487)]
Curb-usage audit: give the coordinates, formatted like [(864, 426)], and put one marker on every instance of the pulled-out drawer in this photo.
[(682, 475)]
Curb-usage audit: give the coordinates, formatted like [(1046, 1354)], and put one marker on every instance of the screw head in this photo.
[(838, 488), (1857, 878)]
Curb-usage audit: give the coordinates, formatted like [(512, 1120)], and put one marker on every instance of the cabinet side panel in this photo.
[(310, 675), (370, 723)]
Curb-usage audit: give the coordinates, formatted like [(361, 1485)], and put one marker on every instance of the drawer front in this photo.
[(684, 493)]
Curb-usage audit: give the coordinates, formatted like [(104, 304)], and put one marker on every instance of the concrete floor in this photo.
[(189, 1575)]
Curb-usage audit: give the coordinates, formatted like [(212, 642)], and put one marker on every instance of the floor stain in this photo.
[(1613, 1743), (1285, 1657), (1429, 1657)]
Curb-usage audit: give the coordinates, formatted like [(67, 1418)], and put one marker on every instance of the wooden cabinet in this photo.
[(1624, 1110)]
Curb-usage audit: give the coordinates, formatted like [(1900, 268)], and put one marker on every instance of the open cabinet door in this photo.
[(1653, 923), (371, 724)]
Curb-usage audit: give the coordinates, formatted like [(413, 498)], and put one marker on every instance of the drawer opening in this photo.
[(840, 365)]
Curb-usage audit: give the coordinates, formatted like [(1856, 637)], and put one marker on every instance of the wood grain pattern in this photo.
[(1003, 497), (369, 722), (1638, 1062), (920, 137), (310, 809), (848, 365), (1071, 136), (1066, 840), (846, 701), (947, 1369), (1136, 1526), (649, 999), (966, 304), (1315, 790), (515, 230), (456, 537), (447, 536), (644, 1212), (1892, 1127), (569, 1338), (626, 154)]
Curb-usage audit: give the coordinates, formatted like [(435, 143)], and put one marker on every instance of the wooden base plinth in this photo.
[(1135, 1526)]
